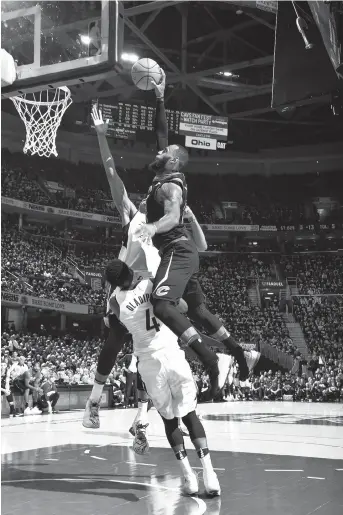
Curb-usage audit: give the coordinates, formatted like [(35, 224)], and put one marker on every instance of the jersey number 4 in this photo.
[(151, 322)]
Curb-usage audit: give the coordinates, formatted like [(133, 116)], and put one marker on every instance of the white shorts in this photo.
[(169, 383)]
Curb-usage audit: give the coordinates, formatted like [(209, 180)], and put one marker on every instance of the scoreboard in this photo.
[(127, 120), (137, 121)]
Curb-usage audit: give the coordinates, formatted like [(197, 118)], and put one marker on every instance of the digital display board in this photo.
[(204, 125), (126, 120)]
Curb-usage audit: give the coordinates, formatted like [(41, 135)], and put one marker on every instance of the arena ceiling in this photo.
[(196, 42)]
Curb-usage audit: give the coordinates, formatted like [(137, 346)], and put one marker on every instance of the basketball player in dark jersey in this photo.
[(6, 388), (177, 275), (27, 384)]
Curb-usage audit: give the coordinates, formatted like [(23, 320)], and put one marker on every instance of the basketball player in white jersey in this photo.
[(164, 370), (143, 259)]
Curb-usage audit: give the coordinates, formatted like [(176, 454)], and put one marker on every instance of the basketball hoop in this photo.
[(42, 114)]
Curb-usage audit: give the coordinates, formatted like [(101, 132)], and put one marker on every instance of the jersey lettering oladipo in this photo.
[(136, 313)]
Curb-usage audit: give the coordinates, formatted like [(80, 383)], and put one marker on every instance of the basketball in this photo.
[(143, 71)]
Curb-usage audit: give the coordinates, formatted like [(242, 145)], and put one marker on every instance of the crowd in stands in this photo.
[(33, 263), (93, 234), (25, 178), (326, 385), (226, 283), (71, 361), (15, 183), (36, 268), (315, 274)]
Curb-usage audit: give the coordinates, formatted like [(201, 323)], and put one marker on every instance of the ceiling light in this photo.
[(227, 74), (131, 58), (85, 39)]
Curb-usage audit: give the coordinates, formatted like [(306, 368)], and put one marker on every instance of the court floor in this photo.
[(271, 459)]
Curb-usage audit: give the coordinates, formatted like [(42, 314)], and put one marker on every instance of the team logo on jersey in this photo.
[(162, 290)]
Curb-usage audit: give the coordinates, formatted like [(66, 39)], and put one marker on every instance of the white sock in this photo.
[(96, 392), (207, 463), (142, 413), (186, 467)]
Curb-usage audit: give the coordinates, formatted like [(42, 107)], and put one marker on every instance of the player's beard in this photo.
[(157, 166)]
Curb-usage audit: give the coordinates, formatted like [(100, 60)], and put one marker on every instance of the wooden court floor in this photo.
[(271, 459)]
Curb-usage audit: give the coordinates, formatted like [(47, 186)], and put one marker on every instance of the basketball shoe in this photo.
[(36, 411), (190, 485), (212, 486), (91, 417), (140, 442)]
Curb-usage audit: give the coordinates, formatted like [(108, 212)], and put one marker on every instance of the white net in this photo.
[(42, 114)]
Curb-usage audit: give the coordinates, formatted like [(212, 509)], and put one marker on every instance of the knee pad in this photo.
[(194, 426), (173, 434), (190, 418)]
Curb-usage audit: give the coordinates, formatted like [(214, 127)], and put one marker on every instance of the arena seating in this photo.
[(315, 274), (41, 271), (225, 283), (36, 261), (272, 205)]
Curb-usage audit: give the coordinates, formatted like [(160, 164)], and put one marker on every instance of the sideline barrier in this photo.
[(71, 397)]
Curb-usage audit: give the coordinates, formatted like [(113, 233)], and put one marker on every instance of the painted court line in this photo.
[(312, 477), (51, 459), (339, 469), (144, 464), (200, 468), (98, 458), (283, 470)]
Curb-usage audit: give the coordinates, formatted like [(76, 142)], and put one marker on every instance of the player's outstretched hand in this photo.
[(159, 88), (145, 232), (100, 126)]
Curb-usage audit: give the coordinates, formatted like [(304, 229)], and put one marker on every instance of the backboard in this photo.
[(61, 43)]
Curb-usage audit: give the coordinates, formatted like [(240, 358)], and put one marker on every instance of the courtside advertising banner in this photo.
[(15, 299), (231, 228), (69, 213)]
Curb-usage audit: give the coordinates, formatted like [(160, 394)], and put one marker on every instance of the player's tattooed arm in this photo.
[(120, 197), (170, 196)]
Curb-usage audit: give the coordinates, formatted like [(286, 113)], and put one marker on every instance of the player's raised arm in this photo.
[(169, 196), (196, 231), (161, 124), (120, 197)]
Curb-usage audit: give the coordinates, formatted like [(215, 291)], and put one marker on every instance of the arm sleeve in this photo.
[(161, 126)]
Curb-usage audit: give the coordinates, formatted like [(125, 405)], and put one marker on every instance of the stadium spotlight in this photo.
[(131, 58), (85, 39)]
